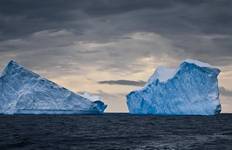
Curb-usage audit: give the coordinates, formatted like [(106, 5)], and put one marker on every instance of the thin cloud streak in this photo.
[(225, 92), (123, 82)]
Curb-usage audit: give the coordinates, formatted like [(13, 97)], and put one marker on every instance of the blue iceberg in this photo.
[(25, 92), (191, 89)]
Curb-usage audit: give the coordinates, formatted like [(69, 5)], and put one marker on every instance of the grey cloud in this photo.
[(123, 82), (68, 35), (36, 16), (155, 16), (225, 92)]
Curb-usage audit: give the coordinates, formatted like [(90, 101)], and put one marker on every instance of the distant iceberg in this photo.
[(25, 92), (191, 89)]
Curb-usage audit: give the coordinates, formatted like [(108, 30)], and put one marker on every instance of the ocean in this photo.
[(115, 131)]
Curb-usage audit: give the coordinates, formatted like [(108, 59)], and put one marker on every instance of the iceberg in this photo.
[(25, 92), (191, 89)]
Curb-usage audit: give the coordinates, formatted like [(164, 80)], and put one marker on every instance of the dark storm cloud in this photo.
[(198, 29), (33, 16), (160, 16), (123, 82)]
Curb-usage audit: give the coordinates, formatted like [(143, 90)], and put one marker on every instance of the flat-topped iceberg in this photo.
[(25, 92), (191, 89)]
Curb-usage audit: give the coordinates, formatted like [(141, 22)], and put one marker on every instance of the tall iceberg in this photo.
[(191, 89), (25, 92)]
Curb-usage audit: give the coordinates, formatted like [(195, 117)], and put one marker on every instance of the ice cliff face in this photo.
[(24, 92), (191, 89)]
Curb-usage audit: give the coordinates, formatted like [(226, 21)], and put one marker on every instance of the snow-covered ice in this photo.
[(191, 89), (25, 92)]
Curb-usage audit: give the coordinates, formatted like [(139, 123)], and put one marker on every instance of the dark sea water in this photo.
[(115, 131)]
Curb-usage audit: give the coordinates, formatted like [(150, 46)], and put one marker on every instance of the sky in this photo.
[(111, 47)]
